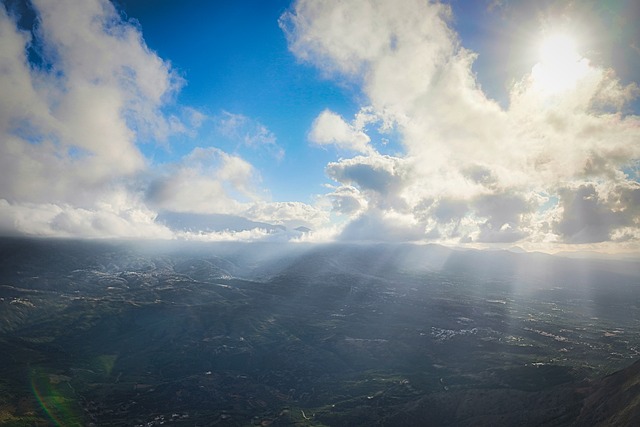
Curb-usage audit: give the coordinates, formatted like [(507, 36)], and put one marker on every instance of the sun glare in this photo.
[(559, 66), (558, 49)]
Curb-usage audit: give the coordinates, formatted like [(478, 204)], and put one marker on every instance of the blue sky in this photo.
[(235, 59), (477, 124)]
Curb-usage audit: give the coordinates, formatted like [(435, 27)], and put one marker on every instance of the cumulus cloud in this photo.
[(381, 176), (207, 180), (472, 169), (69, 121), (331, 129), (347, 200), (211, 191)]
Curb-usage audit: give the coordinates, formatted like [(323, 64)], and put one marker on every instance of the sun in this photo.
[(558, 49), (559, 66)]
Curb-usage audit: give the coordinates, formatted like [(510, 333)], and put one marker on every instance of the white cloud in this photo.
[(69, 125), (62, 220), (207, 180), (292, 215), (383, 178), (331, 129), (347, 200)]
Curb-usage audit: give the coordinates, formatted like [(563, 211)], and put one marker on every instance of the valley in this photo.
[(113, 333)]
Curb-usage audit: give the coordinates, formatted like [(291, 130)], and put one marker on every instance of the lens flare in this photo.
[(56, 398)]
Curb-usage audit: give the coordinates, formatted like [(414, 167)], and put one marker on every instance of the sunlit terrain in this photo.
[(237, 334)]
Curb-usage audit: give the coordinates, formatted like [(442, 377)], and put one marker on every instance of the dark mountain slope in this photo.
[(611, 401), (614, 400)]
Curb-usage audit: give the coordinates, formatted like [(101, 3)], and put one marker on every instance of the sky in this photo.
[(483, 124)]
